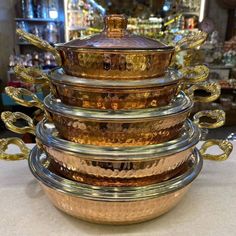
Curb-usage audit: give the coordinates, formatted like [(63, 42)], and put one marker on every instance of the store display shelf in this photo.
[(77, 28), (37, 19), (191, 13)]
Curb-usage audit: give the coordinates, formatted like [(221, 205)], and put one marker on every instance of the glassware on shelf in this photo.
[(53, 9), (44, 9), (29, 11), (51, 32)]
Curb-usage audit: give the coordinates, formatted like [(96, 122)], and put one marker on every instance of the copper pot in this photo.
[(116, 94), (113, 166), (115, 53), (111, 128), (108, 205)]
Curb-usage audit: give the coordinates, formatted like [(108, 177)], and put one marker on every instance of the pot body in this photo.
[(107, 205), (108, 64), (134, 166), (116, 213), (115, 95), (131, 128)]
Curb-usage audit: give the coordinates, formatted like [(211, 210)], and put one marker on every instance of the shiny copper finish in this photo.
[(112, 64), (104, 98), (105, 212), (115, 182), (117, 173), (118, 133)]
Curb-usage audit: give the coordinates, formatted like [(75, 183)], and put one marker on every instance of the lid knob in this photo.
[(115, 26)]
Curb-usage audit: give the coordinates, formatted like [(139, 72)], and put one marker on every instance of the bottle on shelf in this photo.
[(29, 11)]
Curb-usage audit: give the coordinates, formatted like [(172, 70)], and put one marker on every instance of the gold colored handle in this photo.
[(213, 89), (31, 75), (191, 41), (9, 118), (217, 115), (196, 74), (19, 95), (22, 155), (38, 42), (224, 145)]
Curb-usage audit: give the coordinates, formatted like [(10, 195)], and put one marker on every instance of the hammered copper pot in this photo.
[(108, 205), (119, 128), (115, 53), (107, 166), (115, 94)]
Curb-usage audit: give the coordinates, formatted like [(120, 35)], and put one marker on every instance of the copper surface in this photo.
[(116, 181), (113, 98), (115, 133), (117, 173), (119, 65), (105, 212)]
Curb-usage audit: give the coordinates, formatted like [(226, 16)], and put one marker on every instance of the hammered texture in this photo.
[(113, 98), (117, 173), (123, 212), (111, 64), (161, 129), (115, 182)]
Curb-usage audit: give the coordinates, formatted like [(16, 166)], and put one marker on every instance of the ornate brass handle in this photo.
[(19, 95), (224, 145), (4, 144), (38, 42), (191, 41), (9, 118), (31, 75), (217, 115), (213, 88), (195, 74)]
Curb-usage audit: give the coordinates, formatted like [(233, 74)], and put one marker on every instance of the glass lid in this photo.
[(116, 36)]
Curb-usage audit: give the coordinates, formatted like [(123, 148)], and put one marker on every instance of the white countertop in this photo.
[(209, 208)]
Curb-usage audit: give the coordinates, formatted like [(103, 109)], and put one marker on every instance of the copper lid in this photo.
[(116, 36)]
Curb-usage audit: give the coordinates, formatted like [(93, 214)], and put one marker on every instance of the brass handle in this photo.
[(9, 118), (31, 75), (38, 42), (213, 88), (19, 95), (22, 155), (196, 74), (217, 115), (191, 41), (224, 145)]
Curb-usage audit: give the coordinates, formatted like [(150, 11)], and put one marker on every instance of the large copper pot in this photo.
[(112, 205), (115, 53)]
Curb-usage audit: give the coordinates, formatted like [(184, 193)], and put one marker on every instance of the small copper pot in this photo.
[(108, 205), (118, 94), (119, 128), (115, 53)]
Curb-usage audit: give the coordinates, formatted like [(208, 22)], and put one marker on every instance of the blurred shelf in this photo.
[(37, 20), (73, 11), (77, 28), (191, 13)]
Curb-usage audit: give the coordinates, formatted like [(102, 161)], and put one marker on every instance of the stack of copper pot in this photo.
[(116, 145)]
